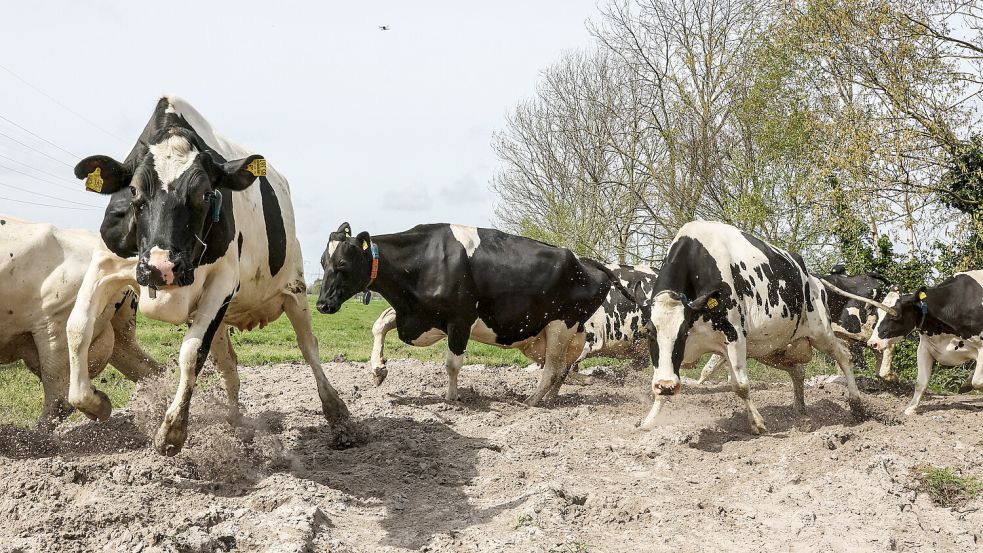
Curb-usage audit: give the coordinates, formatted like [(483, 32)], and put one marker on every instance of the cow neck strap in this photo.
[(375, 264)]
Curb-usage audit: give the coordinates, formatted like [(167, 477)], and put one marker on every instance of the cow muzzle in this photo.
[(877, 345), (161, 269), (666, 387)]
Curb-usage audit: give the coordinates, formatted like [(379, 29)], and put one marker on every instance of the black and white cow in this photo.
[(206, 230), (464, 283), (949, 321), (41, 268), (724, 291), (852, 320), (617, 329)]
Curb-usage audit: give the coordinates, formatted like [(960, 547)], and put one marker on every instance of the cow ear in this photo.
[(710, 300), (237, 174), (363, 240), (345, 229), (103, 174)]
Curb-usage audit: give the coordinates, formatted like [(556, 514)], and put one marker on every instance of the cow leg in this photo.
[(737, 357), (105, 277), (55, 386), (925, 365), (197, 342), (833, 347), (382, 326), (571, 363), (978, 373), (227, 363), (714, 364), (798, 389), (649, 422), (128, 357), (557, 339), (457, 343), (299, 313), (884, 360)]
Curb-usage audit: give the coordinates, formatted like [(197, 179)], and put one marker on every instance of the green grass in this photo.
[(348, 332), (946, 488)]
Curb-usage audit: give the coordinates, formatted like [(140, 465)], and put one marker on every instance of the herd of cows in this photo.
[(200, 231)]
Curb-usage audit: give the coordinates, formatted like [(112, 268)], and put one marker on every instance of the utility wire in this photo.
[(41, 138), (46, 205), (29, 147), (58, 184), (50, 197), (33, 168), (63, 106)]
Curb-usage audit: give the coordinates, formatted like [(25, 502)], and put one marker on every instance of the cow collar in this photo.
[(375, 264), (923, 308)]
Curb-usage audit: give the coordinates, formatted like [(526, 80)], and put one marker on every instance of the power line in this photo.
[(42, 194), (29, 147), (33, 168), (46, 205), (39, 137), (63, 106), (58, 184)]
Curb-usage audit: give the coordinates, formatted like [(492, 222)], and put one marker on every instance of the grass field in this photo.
[(348, 333)]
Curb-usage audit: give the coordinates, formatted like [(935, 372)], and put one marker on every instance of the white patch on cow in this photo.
[(467, 236), (332, 246), (172, 157), (483, 333), (668, 314), (429, 338), (876, 341)]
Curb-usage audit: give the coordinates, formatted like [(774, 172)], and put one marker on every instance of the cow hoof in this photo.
[(910, 411), (533, 401), (759, 429), (103, 408), (889, 377), (169, 441), (335, 411), (647, 426), (379, 375)]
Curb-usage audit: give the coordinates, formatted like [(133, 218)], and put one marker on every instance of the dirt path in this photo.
[(489, 474)]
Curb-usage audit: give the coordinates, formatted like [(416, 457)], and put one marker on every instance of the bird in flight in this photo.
[(383, 27)]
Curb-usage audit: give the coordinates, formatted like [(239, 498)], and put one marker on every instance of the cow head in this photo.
[(177, 194), (347, 264), (903, 317), (673, 314)]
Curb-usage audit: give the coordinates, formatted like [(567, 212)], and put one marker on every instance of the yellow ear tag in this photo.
[(922, 295), (93, 182), (712, 303), (365, 245), (257, 167)]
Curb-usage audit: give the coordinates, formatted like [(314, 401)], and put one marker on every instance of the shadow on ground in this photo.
[(418, 471)]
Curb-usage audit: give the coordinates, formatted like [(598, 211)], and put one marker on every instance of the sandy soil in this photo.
[(489, 474)]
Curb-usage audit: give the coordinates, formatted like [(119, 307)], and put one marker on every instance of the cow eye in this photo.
[(133, 190)]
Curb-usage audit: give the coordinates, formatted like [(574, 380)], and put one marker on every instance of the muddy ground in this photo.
[(489, 474)]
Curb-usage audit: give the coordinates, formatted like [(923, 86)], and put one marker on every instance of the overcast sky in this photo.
[(384, 129)]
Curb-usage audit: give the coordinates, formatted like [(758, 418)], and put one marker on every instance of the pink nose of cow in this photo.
[(161, 261), (667, 387), (875, 345)]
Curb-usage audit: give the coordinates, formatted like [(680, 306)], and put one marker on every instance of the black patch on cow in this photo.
[(239, 243), (276, 234), (206, 340)]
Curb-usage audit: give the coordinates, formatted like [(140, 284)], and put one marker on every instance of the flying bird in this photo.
[(383, 27)]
